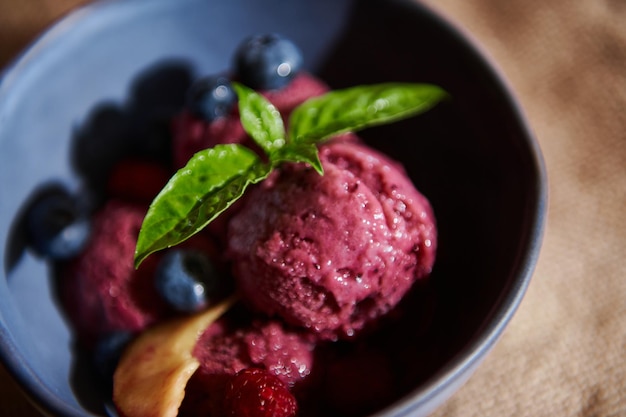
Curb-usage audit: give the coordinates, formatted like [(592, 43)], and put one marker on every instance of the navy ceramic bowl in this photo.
[(473, 157)]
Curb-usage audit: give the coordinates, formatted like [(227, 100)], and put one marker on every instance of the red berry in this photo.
[(254, 392), (137, 180)]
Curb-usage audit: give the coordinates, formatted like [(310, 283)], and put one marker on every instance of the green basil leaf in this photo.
[(260, 119), (211, 181), (356, 108), (300, 152), (215, 178)]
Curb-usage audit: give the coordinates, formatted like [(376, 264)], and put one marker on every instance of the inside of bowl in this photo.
[(469, 156)]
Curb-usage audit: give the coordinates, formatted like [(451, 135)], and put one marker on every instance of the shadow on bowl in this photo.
[(472, 156)]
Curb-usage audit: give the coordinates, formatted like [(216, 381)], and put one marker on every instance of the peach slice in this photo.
[(153, 372)]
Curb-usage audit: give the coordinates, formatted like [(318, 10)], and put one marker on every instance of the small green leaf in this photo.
[(211, 181), (215, 178), (300, 152), (356, 108), (260, 119)]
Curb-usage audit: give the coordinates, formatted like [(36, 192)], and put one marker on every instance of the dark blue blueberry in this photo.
[(186, 279), (211, 98), (58, 227), (100, 142), (267, 62), (108, 351)]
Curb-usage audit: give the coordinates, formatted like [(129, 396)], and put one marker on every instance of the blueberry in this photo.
[(211, 97), (108, 351), (58, 228), (267, 62), (186, 279), (100, 142)]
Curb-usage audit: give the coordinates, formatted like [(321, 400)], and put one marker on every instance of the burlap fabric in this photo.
[(564, 353)]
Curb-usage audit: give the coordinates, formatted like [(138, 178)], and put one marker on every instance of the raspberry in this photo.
[(137, 180), (254, 392)]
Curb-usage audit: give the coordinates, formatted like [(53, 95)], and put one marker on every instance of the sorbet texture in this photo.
[(332, 253), (228, 347)]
